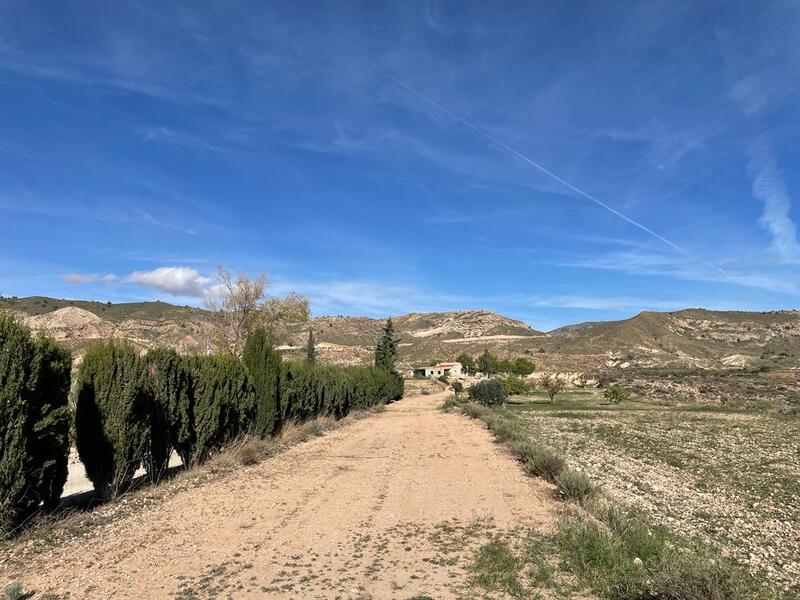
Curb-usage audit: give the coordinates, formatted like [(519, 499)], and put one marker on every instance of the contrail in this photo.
[(563, 182)]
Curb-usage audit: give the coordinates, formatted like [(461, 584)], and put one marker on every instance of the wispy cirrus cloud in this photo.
[(651, 263), (371, 297), (770, 188), (123, 210), (82, 278), (172, 136), (146, 216)]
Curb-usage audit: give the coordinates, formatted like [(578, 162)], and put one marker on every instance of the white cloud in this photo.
[(177, 281), (769, 187)]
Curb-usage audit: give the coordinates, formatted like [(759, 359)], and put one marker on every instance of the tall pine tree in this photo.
[(386, 349), (311, 351)]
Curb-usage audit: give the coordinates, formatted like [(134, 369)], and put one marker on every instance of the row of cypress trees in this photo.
[(134, 410)]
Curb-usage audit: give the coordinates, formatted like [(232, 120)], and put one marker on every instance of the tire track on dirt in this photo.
[(387, 507)]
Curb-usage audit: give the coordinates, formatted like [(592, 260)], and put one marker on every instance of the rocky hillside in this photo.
[(341, 340), (691, 338), (688, 338), (78, 324), (424, 337)]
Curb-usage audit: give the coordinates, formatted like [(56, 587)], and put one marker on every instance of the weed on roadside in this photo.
[(574, 485), (618, 554)]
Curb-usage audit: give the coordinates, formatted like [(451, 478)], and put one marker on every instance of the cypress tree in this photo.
[(311, 351), (34, 425), (50, 413), (113, 416), (223, 403), (16, 354), (263, 365), (386, 349), (172, 423)]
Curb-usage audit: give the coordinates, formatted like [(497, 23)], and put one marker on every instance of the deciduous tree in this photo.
[(552, 384), (240, 306)]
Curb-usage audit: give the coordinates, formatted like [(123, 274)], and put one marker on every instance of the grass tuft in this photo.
[(620, 556), (14, 591), (574, 485), (544, 463), (497, 569)]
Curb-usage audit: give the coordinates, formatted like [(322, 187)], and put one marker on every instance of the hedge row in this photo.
[(34, 422), (307, 390), (132, 411)]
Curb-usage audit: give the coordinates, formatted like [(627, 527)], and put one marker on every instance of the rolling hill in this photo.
[(688, 338), (692, 338)]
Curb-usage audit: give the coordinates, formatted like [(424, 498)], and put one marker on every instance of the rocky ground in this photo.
[(776, 390), (731, 478)]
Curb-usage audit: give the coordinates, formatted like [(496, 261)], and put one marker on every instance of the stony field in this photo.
[(727, 476)]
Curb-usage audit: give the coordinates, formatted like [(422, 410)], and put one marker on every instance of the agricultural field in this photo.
[(728, 476)]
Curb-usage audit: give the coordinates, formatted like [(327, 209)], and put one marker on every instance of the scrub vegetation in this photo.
[(603, 545)]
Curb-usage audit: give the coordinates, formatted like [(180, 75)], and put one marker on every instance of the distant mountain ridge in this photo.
[(691, 337), (687, 338)]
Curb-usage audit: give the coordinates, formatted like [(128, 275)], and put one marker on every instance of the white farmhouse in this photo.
[(451, 369)]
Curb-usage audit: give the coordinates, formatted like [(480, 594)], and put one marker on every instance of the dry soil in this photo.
[(392, 506)]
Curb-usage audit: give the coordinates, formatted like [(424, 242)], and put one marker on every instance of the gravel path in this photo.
[(391, 506)]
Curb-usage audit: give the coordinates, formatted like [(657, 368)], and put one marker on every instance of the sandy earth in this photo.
[(77, 482), (392, 506)]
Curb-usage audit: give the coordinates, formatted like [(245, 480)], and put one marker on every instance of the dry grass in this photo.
[(728, 477), (616, 553)]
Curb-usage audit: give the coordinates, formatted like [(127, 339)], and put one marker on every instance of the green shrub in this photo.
[(307, 391), (450, 403), (474, 410), (34, 422), (263, 365), (574, 485), (515, 386), (297, 391), (223, 403), (112, 416), (616, 394), (505, 430), (489, 393), (373, 386), (522, 366), (457, 387), (544, 463), (14, 591), (173, 423)]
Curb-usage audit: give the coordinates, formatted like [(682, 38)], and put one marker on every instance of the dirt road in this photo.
[(392, 506)]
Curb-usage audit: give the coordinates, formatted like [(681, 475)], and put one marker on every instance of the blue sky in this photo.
[(349, 150)]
